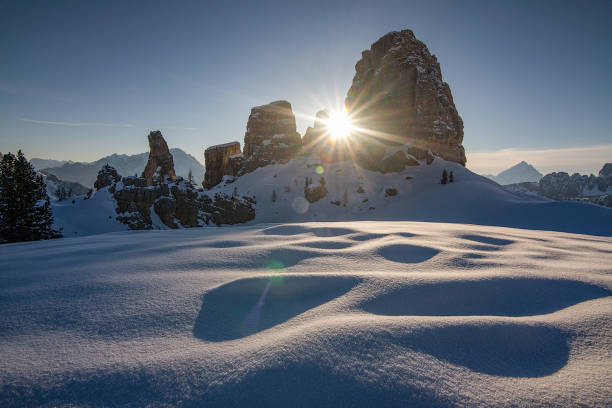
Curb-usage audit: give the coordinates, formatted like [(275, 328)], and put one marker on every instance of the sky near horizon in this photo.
[(81, 80)]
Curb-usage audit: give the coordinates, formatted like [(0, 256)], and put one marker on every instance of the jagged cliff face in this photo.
[(398, 97), (271, 136), (160, 165), (221, 160)]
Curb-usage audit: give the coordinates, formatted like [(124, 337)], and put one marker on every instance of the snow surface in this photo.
[(309, 314)]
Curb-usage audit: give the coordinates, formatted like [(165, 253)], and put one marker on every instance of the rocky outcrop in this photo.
[(312, 193), (562, 186), (606, 173), (172, 200), (317, 135), (107, 176), (271, 136), (178, 204), (398, 97), (160, 165), (319, 140), (577, 187), (221, 160)]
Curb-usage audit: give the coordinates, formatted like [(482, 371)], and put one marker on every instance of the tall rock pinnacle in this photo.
[(160, 165), (398, 97)]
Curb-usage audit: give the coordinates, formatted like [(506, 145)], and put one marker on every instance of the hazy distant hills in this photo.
[(40, 164), (126, 165), (519, 173)]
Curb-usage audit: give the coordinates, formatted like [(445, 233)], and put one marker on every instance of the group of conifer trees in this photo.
[(25, 211), (446, 178)]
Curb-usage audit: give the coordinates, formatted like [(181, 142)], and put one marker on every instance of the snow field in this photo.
[(343, 314)]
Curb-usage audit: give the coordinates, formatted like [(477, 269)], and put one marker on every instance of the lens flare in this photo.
[(339, 125)]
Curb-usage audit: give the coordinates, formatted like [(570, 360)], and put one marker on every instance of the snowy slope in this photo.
[(86, 217), (470, 199), (315, 314), (519, 173)]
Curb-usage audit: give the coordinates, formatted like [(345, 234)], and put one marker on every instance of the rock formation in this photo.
[(178, 204), (398, 97), (318, 140), (316, 135), (175, 201), (221, 160), (271, 136), (160, 165), (107, 175)]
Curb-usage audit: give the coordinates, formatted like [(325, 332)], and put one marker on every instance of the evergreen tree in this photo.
[(345, 198), (190, 178), (444, 177), (273, 196), (322, 181), (25, 211), (451, 177), (61, 193)]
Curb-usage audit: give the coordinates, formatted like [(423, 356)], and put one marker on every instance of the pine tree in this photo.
[(25, 211), (190, 178), (451, 177), (322, 181), (60, 193), (345, 198), (273, 196), (444, 177)]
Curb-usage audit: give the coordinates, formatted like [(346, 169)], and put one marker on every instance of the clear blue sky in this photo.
[(83, 79)]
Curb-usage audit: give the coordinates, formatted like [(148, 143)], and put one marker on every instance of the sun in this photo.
[(339, 125)]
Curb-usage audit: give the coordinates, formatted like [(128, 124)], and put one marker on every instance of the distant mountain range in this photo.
[(519, 173), (126, 165), (40, 164)]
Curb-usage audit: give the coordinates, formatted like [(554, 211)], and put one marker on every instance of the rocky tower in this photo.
[(271, 136), (314, 136), (318, 140), (399, 95), (160, 165), (221, 160)]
